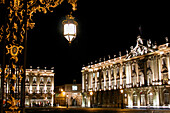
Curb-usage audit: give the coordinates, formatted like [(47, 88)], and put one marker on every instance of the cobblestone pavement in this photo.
[(94, 110)]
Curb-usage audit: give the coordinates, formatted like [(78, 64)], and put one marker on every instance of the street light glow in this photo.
[(91, 93)]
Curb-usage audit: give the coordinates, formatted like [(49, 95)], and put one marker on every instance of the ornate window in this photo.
[(107, 75), (117, 73), (141, 78), (150, 98), (34, 80), (134, 99), (27, 79), (149, 76), (142, 97), (48, 80), (41, 80), (166, 97)]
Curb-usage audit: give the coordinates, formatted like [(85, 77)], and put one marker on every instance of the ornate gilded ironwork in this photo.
[(18, 21), (1, 33), (14, 51)]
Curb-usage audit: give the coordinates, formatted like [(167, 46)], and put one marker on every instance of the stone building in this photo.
[(143, 76), (68, 94), (39, 87)]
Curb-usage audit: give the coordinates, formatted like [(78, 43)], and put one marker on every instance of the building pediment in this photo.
[(139, 49)]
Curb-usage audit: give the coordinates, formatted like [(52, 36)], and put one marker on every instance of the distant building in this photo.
[(68, 94), (39, 87), (143, 76)]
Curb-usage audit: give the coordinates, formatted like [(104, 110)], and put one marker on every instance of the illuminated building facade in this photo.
[(143, 74), (39, 87), (68, 94)]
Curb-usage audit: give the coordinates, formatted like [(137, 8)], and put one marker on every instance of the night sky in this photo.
[(105, 28)]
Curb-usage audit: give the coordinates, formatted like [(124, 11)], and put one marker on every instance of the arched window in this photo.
[(34, 80), (150, 98), (142, 99), (149, 76), (166, 97), (41, 80), (134, 79), (48, 80), (141, 78), (27, 79), (134, 99)]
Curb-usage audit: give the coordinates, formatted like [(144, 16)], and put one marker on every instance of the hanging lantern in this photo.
[(70, 28)]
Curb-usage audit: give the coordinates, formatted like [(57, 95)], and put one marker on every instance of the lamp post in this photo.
[(13, 36), (121, 91), (91, 94), (67, 100)]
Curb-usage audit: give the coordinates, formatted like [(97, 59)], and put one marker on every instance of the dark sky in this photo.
[(105, 28)]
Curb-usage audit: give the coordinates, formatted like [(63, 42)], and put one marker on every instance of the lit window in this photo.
[(34, 79), (93, 75), (74, 88), (97, 74), (48, 80)]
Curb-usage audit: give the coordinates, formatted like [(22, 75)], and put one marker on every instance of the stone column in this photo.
[(137, 73), (121, 72), (83, 82), (95, 81), (104, 77), (130, 102), (114, 70), (90, 80), (145, 72), (159, 69), (155, 63), (153, 69), (127, 74), (157, 97), (130, 74), (138, 98), (109, 75), (168, 66)]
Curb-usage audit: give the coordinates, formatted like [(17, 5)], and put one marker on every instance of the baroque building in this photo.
[(39, 87), (143, 75)]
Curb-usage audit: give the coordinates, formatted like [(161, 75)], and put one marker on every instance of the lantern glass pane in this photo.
[(69, 38), (69, 29)]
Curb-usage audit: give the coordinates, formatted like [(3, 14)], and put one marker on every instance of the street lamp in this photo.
[(121, 91), (67, 100), (70, 28), (91, 94)]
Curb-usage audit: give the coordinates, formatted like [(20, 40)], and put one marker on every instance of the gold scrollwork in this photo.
[(21, 72), (14, 50), (1, 33), (73, 3), (14, 77), (43, 6), (13, 103)]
